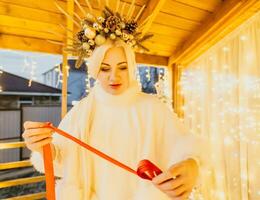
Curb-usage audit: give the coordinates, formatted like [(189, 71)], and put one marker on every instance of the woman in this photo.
[(126, 124)]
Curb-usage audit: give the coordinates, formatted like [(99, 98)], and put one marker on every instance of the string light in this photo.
[(147, 74), (32, 66), (1, 72), (243, 38), (233, 109)]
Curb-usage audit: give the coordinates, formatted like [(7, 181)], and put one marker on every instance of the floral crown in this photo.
[(94, 31)]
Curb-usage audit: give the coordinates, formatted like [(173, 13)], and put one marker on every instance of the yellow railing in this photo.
[(20, 181)]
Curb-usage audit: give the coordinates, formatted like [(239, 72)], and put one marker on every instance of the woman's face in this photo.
[(113, 75)]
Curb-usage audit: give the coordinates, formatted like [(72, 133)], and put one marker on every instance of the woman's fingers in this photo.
[(171, 184), (168, 175), (184, 196), (37, 131), (176, 170), (38, 145), (37, 138), (177, 191), (30, 124)]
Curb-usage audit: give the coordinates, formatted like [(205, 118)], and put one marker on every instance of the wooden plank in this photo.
[(18, 164), (137, 2), (176, 22), (156, 52), (166, 39), (184, 11), (8, 30), (46, 5), (39, 195), (152, 10), (112, 5), (28, 44), (24, 12), (151, 60), (11, 145), (228, 17), (38, 45), (21, 181), (159, 46), (169, 31), (30, 24), (207, 5)]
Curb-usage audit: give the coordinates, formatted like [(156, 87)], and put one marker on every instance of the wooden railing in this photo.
[(19, 181)]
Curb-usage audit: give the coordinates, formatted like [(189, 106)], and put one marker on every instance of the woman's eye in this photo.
[(104, 69), (123, 68)]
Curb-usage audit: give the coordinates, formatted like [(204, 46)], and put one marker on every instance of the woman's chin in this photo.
[(117, 91)]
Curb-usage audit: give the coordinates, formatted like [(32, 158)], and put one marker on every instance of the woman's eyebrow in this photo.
[(105, 64), (121, 62), (117, 63)]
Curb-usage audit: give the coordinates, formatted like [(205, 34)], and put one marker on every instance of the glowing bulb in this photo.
[(243, 37), (56, 69), (225, 49), (228, 141)]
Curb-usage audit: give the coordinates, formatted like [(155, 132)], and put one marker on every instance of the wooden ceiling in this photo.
[(176, 24)]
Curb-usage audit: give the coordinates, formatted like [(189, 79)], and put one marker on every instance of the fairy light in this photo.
[(32, 73), (1, 72), (147, 73), (68, 70), (243, 38), (138, 78), (225, 85), (225, 49), (87, 79)]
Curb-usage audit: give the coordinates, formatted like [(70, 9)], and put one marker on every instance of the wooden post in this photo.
[(178, 99), (64, 85), (70, 10)]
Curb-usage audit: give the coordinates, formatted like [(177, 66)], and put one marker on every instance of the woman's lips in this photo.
[(115, 86)]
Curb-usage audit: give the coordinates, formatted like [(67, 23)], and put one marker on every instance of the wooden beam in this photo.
[(28, 44), (40, 45), (178, 100), (151, 60), (228, 16), (25, 12), (151, 10), (11, 145), (69, 33), (21, 181), (32, 25), (47, 5), (169, 31), (17, 164), (40, 195), (8, 30)]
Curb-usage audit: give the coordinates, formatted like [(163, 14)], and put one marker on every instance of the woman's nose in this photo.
[(114, 75)]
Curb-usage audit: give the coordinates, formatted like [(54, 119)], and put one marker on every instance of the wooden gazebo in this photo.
[(182, 30)]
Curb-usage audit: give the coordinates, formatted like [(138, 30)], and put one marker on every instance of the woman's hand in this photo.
[(178, 181), (36, 136)]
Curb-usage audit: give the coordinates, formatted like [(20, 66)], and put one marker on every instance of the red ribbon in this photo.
[(146, 169)]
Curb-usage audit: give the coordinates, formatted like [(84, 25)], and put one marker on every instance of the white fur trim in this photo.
[(68, 191)]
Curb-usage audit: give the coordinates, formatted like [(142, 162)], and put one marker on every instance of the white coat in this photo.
[(128, 127)]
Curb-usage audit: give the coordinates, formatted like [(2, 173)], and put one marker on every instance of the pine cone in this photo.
[(81, 35), (113, 23), (131, 27)]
